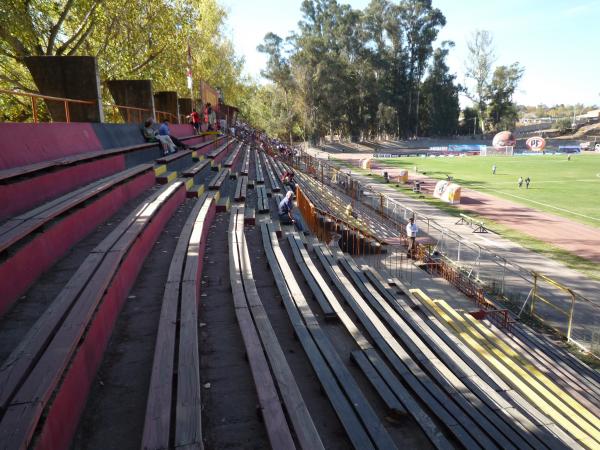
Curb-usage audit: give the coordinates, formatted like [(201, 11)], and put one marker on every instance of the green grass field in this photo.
[(558, 186)]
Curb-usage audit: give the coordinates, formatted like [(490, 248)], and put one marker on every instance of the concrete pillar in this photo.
[(166, 101), (134, 93), (73, 77), (185, 106)]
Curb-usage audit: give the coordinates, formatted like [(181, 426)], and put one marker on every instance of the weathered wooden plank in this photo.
[(196, 168), (451, 356), (26, 224), (277, 428), (315, 281), (304, 427), (468, 416), (392, 403), (188, 412), (344, 410), (391, 349), (372, 423), (157, 422)]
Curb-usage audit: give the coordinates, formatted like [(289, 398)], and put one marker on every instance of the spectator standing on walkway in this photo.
[(195, 119), (164, 130), (520, 181), (494, 169), (411, 234), (527, 181), (212, 117)]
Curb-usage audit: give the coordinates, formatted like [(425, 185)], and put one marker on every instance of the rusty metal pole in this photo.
[(571, 311), (34, 109), (67, 116), (533, 295)]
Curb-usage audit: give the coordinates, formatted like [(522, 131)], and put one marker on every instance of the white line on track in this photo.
[(550, 206)]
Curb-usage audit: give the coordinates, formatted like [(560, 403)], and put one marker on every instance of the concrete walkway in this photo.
[(586, 322)]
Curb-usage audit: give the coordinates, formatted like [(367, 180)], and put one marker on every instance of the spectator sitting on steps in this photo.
[(151, 135), (164, 130), (285, 211)]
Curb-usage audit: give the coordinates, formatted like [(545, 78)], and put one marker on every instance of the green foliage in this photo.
[(502, 113), (132, 39), (491, 90), (563, 125), (439, 99), (359, 74)]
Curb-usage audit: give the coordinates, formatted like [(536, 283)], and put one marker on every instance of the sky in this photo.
[(556, 41)]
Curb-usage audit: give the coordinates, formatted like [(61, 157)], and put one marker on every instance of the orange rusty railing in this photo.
[(34, 98)]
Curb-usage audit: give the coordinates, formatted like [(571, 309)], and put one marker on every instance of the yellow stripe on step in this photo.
[(586, 435)]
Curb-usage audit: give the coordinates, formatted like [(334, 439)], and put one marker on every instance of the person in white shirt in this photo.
[(411, 234)]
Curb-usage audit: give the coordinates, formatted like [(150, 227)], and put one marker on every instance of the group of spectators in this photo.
[(162, 134), (260, 139), (207, 121)]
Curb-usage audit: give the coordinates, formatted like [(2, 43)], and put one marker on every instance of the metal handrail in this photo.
[(34, 98)]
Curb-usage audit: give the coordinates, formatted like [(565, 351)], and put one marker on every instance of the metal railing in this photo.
[(35, 98), (528, 292), (120, 113)]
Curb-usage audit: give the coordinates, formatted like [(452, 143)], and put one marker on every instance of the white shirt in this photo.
[(411, 229)]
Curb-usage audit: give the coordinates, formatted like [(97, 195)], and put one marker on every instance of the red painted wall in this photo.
[(29, 193), (28, 143)]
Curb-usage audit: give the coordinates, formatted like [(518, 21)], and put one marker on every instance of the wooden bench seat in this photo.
[(38, 238), (196, 168), (275, 186), (232, 157), (262, 200), (246, 161), (241, 189), (320, 289), (363, 427), (259, 177), (182, 423), (398, 359), (217, 181), (215, 153), (50, 372), (470, 409), (7, 175), (256, 329), (18, 227), (210, 141), (511, 373)]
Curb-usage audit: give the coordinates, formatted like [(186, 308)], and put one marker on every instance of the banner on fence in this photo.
[(465, 148)]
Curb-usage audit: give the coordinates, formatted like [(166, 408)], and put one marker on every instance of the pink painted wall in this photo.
[(28, 143)]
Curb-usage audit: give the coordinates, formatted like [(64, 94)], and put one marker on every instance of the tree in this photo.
[(480, 59), (131, 39), (420, 24), (502, 112), (279, 72), (439, 100)]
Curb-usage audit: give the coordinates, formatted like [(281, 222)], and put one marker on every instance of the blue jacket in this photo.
[(164, 129)]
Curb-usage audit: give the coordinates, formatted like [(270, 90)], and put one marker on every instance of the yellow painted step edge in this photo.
[(159, 170), (542, 378), (541, 388), (501, 370)]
